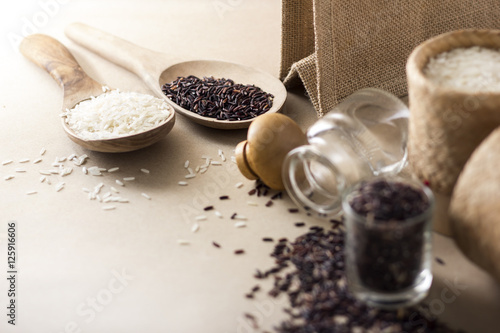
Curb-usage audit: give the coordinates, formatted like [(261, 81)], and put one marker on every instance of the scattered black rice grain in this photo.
[(283, 240), (252, 191), (256, 288), (269, 203), (319, 300), (233, 216), (239, 251), (278, 195), (267, 239), (299, 224), (224, 197), (293, 210), (221, 99), (249, 295), (208, 208), (440, 261), (217, 245)]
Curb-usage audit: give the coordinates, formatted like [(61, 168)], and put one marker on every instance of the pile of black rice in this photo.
[(310, 271)]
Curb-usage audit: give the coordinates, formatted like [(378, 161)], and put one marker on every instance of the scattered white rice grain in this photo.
[(119, 182), (20, 170), (215, 163), (86, 190), (186, 164), (45, 172), (146, 171), (94, 171), (56, 164), (206, 157), (106, 200), (102, 169), (38, 160), (197, 169), (200, 218), (43, 178), (129, 179), (48, 181), (190, 171), (223, 158), (42, 151), (240, 217), (9, 177), (65, 171), (233, 159), (182, 183), (146, 196), (203, 170), (183, 242), (60, 186), (84, 170), (71, 157), (98, 187), (24, 160), (114, 190), (218, 214), (252, 203), (62, 159), (108, 207), (54, 171), (195, 227), (31, 192), (192, 175), (7, 162), (238, 185), (92, 196), (106, 195), (240, 224), (123, 200), (113, 169), (98, 197)]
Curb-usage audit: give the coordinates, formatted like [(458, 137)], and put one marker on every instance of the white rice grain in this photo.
[(218, 214), (108, 207), (8, 177), (146, 171), (186, 164), (195, 227), (119, 182), (183, 242), (7, 162), (20, 170), (24, 160), (146, 196), (200, 218), (113, 169), (240, 224), (192, 175), (238, 185), (182, 183), (42, 151), (31, 192), (38, 160), (60, 186), (129, 179)]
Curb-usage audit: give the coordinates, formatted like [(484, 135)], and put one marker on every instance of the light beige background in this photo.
[(70, 251)]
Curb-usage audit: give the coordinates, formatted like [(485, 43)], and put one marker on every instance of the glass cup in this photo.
[(388, 261)]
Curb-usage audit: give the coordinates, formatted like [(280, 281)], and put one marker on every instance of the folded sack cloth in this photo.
[(335, 47)]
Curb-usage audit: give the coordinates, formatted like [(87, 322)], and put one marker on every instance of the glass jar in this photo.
[(388, 241), (365, 135)]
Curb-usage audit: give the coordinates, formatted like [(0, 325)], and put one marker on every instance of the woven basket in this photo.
[(475, 210), (446, 124)]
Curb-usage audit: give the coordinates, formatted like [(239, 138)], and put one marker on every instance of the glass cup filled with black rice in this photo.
[(388, 241)]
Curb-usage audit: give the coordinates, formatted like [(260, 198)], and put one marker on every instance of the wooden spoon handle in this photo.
[(54, 57), (145, 63)]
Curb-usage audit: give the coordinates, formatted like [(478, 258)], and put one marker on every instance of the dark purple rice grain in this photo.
[(217, 245), (233, 216), (252, 192), (269, 203), (440, 261), (239, 251), (267, 239), (256, 288), (221, 99), (224, 197), (208, 208), (299, 224), (293, 210)]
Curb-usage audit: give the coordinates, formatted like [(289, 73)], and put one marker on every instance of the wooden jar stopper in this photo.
[(270, 137)]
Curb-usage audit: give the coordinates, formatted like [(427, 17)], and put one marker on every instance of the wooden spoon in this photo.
[(51, 55), (156, 69)]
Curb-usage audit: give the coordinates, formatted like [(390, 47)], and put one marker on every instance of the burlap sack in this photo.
[(337, 47)]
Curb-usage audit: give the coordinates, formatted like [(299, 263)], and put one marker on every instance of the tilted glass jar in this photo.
[(363, 136)]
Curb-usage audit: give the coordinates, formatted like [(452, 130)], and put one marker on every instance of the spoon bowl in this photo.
[(51, 55), (156, 69)]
